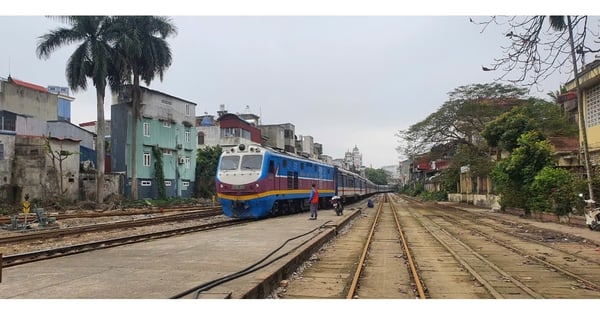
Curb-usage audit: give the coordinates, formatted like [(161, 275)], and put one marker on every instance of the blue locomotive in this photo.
[(256, 182)]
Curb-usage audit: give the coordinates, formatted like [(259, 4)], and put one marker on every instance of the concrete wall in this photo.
[(113, 185), (37, 174), (17, 99), (484, 201)]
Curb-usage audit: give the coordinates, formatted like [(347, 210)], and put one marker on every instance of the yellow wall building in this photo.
[(589, 81)]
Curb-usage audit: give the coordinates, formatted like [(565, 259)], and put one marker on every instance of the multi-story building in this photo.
[(305, 146), (234, 130), (281, 136), (38, 145), (208, 131), (167, 123), (353, 160), (227, 129)]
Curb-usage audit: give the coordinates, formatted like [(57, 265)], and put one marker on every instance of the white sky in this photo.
[(343, 72)]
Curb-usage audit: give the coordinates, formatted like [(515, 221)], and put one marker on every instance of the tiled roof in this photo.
[(28, 85), (562, 144)]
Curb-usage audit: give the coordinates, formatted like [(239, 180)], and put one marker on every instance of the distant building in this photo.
[(393, 173), (305, 146), (208, 131), (353, 160), (281, 136)]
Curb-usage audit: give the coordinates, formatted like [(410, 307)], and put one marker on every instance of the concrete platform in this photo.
[(165, 268)]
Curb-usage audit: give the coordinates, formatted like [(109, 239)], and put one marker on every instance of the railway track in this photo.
[(101, 214), (14, 260), (546, 271), (386, 250), (100, 227), (367, 260), (452, 253)]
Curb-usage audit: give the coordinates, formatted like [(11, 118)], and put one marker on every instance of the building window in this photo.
[(167, 124), (146, 129), (593, 106), (1, 151), (230, 132), (200, 138), (188, 162), (187, 136), (246, 134), (147, 159), (8, 121), (188, 110), (186, 183), (167, 152), (146, 183), (168, 183)]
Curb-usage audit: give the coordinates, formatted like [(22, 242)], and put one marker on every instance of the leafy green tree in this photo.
[(537, 51), (513, 176), (159, 174), (207, 160), (555, 190), (93, 58), (506, 130), (146, 54), (461, 118), (377, 176), (539, 115)]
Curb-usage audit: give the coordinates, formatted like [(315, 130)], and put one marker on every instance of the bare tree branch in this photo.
[(537, 48)]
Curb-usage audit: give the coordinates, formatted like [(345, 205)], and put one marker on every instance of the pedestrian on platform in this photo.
[(313, 199)]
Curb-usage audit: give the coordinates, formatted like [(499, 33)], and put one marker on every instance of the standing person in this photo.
[(313, 199)]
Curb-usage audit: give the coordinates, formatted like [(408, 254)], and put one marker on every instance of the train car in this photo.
[(349, 186), (253, 181)]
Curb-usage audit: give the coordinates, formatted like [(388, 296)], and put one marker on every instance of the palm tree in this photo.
[(146, 54), (556, 94), (93, 58)]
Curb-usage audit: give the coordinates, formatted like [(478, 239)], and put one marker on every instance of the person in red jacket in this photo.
[(313, 199)]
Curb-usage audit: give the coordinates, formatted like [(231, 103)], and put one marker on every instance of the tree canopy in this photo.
[(377, 176), (539, 115), (461, 118)]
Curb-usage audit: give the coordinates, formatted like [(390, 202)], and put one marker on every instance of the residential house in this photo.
[(167, 123), (281, 136), (234, 130), (31, 116)]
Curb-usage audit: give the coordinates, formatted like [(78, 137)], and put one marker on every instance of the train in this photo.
[(256, 182)]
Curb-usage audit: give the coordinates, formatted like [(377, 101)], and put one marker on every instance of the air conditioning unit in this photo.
[(181, 160), (179, 146)]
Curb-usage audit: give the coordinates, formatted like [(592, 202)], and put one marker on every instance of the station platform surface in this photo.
[(165, 268)]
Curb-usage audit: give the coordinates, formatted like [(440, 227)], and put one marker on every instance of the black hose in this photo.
[(254, 267)]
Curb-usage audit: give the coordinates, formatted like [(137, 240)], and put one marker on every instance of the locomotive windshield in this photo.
[(251, 162), (230, 162)]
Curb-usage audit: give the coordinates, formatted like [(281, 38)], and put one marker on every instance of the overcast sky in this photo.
[(346, 80)]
